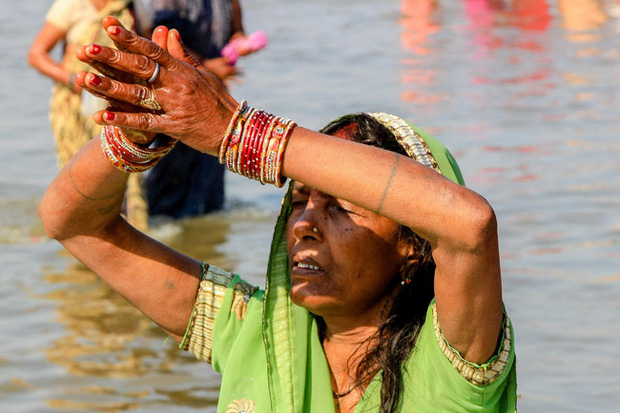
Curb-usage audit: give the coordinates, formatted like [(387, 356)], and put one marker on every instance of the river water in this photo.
[(524, 92)]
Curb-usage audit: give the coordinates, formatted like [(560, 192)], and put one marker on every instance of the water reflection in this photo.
[(107, 338), (582, 15), (419, 22), (99, 325)]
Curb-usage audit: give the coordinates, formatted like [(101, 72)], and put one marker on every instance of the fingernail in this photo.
[(109, 116), (114, 30), (95, 80), (178, 35), (95, 49)]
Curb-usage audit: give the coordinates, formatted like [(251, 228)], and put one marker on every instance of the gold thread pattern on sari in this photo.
[(241, 406), (211, 291), (476, 374), (241, 297), (409, 139)]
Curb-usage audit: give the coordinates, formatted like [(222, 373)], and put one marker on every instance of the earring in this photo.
[(315, 230), (405, 281)]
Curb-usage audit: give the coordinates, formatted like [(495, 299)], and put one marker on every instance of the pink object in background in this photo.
[(243, 46)]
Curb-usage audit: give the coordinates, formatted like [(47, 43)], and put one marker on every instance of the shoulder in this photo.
[(478, 374), (490, 386), (223, 302)]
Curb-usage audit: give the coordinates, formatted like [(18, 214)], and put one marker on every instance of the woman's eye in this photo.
[(339, 208)]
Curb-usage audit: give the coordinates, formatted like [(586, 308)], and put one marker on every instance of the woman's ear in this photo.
[(406, 247), (408, 252)]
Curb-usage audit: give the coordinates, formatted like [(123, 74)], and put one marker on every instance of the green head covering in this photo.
[(291, 359)]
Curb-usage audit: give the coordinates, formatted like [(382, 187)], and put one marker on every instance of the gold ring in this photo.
[(150, 103)]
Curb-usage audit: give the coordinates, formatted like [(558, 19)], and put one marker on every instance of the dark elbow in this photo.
[(483, 226), (49, 215)]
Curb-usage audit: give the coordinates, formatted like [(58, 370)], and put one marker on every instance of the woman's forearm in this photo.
[(386, 183), (81, 209), (49, 67), (39, 54)]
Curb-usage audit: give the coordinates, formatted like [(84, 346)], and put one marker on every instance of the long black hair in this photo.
[(391, 345)]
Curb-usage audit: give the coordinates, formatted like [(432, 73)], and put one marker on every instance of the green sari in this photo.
[(270, 356)]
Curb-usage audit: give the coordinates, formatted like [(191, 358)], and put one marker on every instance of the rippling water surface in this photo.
[(524, 92)]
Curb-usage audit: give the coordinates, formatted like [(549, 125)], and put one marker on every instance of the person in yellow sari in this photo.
[(73, 23)]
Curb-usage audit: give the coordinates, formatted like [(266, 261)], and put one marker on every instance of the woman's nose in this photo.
[(308, 223)]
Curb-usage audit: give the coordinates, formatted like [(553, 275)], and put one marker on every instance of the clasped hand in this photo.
[(192, 104)]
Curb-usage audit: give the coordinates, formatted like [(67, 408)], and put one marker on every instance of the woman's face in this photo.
[(343, 259)]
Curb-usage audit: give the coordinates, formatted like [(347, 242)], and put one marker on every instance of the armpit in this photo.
[(477, 374)]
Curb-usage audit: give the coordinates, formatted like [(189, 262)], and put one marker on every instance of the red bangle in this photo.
[(127, 156), (243, 140), (251, 136), (254, 145), (256, 137), (258, 147)]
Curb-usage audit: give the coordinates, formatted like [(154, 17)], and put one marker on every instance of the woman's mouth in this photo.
[(308, 266)]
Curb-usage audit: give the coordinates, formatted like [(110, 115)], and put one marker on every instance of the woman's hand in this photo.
[(195, 106)]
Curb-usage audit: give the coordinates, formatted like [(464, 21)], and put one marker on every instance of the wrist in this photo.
[(254, 144), (130, 157)]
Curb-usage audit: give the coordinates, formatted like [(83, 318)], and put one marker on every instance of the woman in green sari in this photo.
[(383, 286)]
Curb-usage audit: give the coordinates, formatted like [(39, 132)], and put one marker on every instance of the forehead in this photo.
[(306, 190), (302, 190)]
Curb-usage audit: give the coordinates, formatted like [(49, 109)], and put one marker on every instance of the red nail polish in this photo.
[(114, 30), (110, 116), (95, 49), (95, 80)]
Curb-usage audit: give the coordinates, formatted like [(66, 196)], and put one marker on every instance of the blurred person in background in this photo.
[(70, 23), (186, 182)]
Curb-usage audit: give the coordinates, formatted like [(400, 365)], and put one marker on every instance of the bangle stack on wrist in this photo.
[(126, 155), (254, 144)]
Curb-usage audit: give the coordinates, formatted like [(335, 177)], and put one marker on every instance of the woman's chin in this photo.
[(309, 298)]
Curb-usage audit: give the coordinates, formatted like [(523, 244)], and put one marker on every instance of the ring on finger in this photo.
[(150, 103), (154, 75)]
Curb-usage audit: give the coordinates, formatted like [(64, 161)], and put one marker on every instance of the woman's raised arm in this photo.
[(81, 209)]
